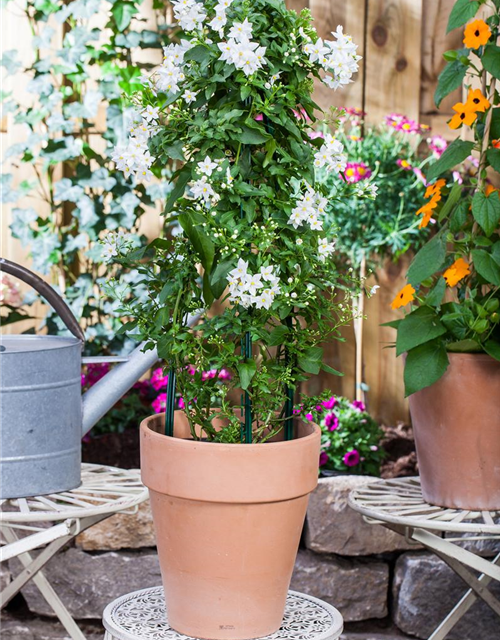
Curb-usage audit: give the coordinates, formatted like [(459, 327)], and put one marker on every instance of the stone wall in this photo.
[(385, 587)]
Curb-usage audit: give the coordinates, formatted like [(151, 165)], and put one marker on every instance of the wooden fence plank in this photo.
[(393, 58)]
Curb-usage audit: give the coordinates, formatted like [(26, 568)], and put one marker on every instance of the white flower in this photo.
[(189, 13), (113, 243), (219, 22), (252, 283), (241, 30), (241, 270), (247, 289), (267, 273), (374, 289), (330, 155), (264, 300), (201, 189), (150, 113), (206, 166), (299, 241), (189, 96), (325, 248)]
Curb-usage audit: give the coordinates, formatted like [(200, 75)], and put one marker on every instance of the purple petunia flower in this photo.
[(351, 458), (158, 380), (159, 403), (330, 404), (360, 406), (331, 422), (323, 458), (309, 416)]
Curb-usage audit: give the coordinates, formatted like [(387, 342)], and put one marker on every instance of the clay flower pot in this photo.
[(456, 423), (228, 520)]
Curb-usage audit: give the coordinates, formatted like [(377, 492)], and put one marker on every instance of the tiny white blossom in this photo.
[(206, 166)]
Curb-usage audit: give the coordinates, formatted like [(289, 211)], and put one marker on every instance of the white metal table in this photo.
[(398, 505), (141, 615), (53, 520)]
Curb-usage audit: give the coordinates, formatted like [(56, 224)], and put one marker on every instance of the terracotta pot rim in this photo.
[(472, 356), (183, 442)]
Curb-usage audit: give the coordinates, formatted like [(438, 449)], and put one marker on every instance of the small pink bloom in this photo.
[(96, 371), (356, 171), (191, 370), (224, 374), (351, 458), (331, 422), (437, 144), (330, 404), (404, 164), (315, 134), (83, 379), (360, 406), (373, 447), (318, 408), (298, 411), (309, 416), (457, 177), (420, 175), (259, 117), (181, 404), (323, 458), (159, 403)]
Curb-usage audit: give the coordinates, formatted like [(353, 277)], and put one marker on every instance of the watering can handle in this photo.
[(47, 292)]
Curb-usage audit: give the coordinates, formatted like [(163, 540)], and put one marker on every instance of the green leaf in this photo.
[(486, 266), (202, 244), (394, 324), (245, 91), (167, 291), (435, 295), (328, 369), (123, 13), (495, 252), (459, 216), (218, 279), (428, 260), (495, 124), (277, 336), (418, 327), (451, 201), (493, 156), (424, 366), (450, 78), (462, 12), (491, 60), (310, 361), (486, 211), (174, 150), (200, 53), (492, 348), (178, 191), (251, 135), (455, 153), (246, 371), (464, 346)]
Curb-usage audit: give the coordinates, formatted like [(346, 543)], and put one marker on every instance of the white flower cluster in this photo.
[(249, 289), (310, 208), (325, 248), (170, 74), (240, 50), (366, 190), (201, 189), (190, 14), (331, 155), (337, 57), (113, 243), (134, 157)]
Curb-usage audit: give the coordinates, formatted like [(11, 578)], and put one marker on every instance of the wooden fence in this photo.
[(402, 42)]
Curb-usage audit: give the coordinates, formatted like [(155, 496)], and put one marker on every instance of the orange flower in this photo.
[(458, 270), (491, 189), (476, 34), (477, 101), (435, 188), (496, 144), (464, 115), (406, 295)]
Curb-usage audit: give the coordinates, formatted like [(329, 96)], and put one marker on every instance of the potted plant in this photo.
[(240, 281), (451, 336)]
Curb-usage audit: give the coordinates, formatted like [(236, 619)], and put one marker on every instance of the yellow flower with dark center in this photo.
[(476, 34), (477, 101), (458, 270), (406, 295), (465, 114)]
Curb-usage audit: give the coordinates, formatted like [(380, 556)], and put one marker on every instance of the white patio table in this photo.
[(53, 520), (398, 505), (141, 615)]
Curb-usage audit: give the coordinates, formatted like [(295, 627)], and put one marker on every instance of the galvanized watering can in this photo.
[(42, 413)]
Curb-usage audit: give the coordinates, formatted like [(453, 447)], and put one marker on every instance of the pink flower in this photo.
[(158, 380), (373, 447), (159, 403), (404, 164), (420, 175), (298, 411), (437, 144), (351, 458), (259, 117), (356, 171), (329, 404), (224, 374), (316, 134), (402, 123), (191, 370), (300, 112), (323, 458), (331, 422), (360, 406), (142, 386), (96, 371), (309, 416), (208, 375), (318, 408), (83, 379), (9, 291), (457, 177), (181, 404)]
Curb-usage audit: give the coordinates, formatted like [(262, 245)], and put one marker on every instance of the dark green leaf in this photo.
[(167, 291), (486, 266), (328, 369), (456, 153), (218, 279), (424, 365), (428, 260), (486, 211), (178, 191), (495, 252), (492, 348), (435, 295), (394, 324), (250, 135), (493, 156), (459, 216), (491, 60), (246, 371), (462, 12), (310, 361), (277, 336), (451, 201), (123, 13), (450, 78), (200, 53), (202, 244), (464, 346), (418, 327)]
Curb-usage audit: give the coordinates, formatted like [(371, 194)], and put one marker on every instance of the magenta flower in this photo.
[(356, 171), (437, 144), (259, 117), (323, 458), (95, 372), (208, 375), (351, 458), (331, 422), (309, 416), (401, 123), (191, 370), (224, 374), (181, 404), (418, 172), (318, 408), (158, 380), (159, 403), (404, 164), (298, 411), (360, 406), (315, 134), (83, 379), (330, 404)]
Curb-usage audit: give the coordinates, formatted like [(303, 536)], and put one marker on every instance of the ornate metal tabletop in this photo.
[(400, 502), (142, 616), (103, 490)]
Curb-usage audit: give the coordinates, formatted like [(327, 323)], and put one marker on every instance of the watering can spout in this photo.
[(99, 399)]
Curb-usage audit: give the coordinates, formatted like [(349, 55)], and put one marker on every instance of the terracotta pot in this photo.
[(228, 520), (456, 423)]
